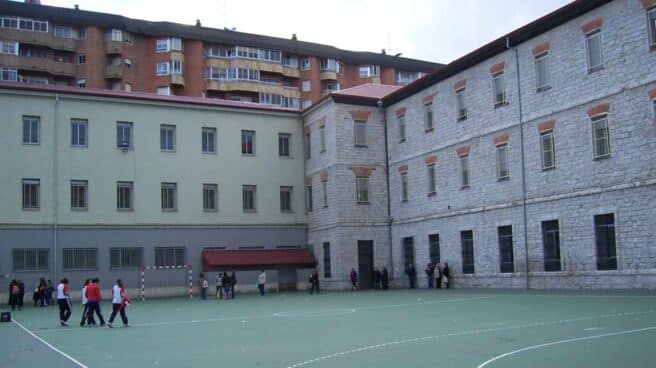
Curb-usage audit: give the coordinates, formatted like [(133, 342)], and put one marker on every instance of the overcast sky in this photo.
[(434, 30)]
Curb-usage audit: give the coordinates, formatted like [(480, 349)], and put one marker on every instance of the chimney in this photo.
[(198, 23), (294, 37), (383, 52), (77, 7)]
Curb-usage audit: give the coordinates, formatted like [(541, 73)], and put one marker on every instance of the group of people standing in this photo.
[(42, 295), (436, 275), (225, 285)]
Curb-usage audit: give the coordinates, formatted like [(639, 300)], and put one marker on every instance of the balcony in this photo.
[(263, 66), (292, 72), (40, 38), (113, 47), (39, 65), (328, 75), (251, 86), (114, 71), (177, 79)]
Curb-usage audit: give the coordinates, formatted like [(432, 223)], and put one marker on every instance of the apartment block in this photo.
[(52, 45)]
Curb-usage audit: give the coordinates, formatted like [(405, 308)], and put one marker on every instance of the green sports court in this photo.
[(396, 328)]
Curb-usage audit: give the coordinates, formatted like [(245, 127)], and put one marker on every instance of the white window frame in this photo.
[(163, 69), (164, 91), (588, 39), (167, 137), (9, 47), (79, 195), (542, 85), (169, 189), (306, 86), (245, 134), (76, 126), (596, 120), (210, 197), (177, 67), (360, 133), (175, 44), (282, 152), (306, 64), (163, 45), (81, 83), (545, 153), (34, 123), (499, 97), (8, 74), (362, 190), (122, 198), (208, 140), (503, 166), (244, 190), (121, 128)]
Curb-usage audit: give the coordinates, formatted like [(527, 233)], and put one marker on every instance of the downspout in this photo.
[(55, 186), (389, 211), (521, 145)]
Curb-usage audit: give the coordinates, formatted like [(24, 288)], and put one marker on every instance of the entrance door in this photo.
[(287, 279), (365, 263)]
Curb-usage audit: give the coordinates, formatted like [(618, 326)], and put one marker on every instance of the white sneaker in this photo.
[(109, 325)]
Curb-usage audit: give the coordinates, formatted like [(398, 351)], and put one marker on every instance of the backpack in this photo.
[(15, 290)]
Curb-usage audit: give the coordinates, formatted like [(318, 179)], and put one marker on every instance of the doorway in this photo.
[(365, 264)]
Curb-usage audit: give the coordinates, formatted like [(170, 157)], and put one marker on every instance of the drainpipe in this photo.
[(521, 145), (55, 186), (389, 211)]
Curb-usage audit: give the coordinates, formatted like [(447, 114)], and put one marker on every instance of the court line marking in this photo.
[(50, 345), (563, 342), (282, 314), (465, 333)]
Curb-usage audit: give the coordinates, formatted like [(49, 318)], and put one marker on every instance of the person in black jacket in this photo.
[(13, 294), (411, 271), (225, 281), (384, 278), (447, 274), (377, 277), (354, 279), (233, 282), (430, 270), (314, 281)]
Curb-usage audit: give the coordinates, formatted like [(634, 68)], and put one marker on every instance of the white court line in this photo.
[(49, 345), (283, 314), (464, 333), (563, 342)]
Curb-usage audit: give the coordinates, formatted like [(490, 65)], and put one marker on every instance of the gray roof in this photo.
[(67, 16)]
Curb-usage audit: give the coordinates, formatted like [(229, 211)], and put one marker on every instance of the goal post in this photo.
[(188, 278)]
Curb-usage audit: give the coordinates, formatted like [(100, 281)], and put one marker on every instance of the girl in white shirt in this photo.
[(84, 321), (118, 294)]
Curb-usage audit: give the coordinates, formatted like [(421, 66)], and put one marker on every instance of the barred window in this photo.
[(601, 137), (284, 143), (548, 151), (208, 136), (210, 192), (506, 257), (247, 142), (167, 137), (170, 256), (124, 195), (169, 196), (249, 198), (125, 258), (80, 259), (30, 259), (308, 198), (551, 245), (467, 243)]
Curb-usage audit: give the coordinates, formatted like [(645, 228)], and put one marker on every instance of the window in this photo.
[(290, 61), (548, 151), (324, 193), (124, 135), (551, 245), (651, 18), (163, 68), (605, 241), (542, 72), (401, 128), (601, 136), (164, 91), (594, 52), (129, 38), (306, 64), (369, 71), (124, 195), (31, 194), (176, 44), (176, 66), (506, 259), (210, 197), (169, 256), (208, 137), (428, 117), (8, 74), (79, 132), (77, 259), (167, 137), (461, 107), (306, 86), (30, 259), (163, 45), (502, 162), (284, 143), (249, 198), (362, 187), (81, 59), (322, 138), (169, 196), (404, 187), (125, 258), (328, 65), (286, 199), (467, 243), (114, 35), (326, 259), (31, 127), (360, 133), (306, 104), (81, 83), (9, 47), (434, 248), (432, 185), (79, 194), (464, 171), (408, 251), (308, 198), (247, 142), (499, 89), (308, 145)]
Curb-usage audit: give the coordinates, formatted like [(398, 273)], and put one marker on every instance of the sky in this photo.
[(433, 30)]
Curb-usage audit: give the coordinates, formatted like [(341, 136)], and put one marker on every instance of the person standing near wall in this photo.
[(13, 294), (21, 294), (314, 281), (384, 278), (261, 281), (446, 276), (438, 276), (203, 284), (411, 271), (354, 279), (64, 302), (118, 296), (430, 271), (377, 277), (233, 282)]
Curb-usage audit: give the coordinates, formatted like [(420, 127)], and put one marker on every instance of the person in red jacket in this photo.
[(93, 302)]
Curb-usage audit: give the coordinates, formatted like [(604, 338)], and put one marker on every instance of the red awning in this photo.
[(244, 259)]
